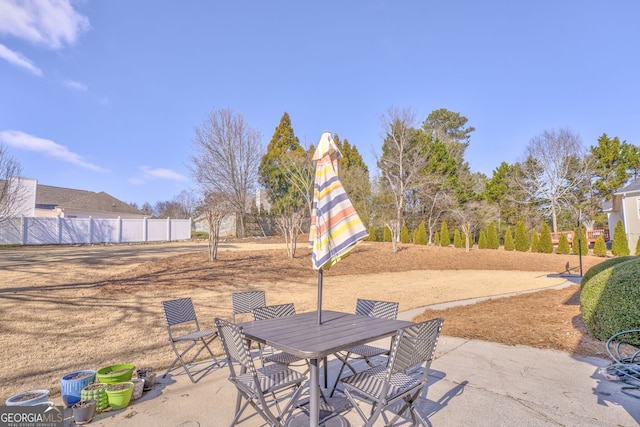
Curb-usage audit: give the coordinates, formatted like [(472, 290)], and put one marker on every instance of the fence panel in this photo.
[(157, 230), (74, 230), (105, 230), (41, 231), (132, 231), (11, 232)]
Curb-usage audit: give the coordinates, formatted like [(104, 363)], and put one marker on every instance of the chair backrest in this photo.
[(245, 302), (179, 311), (271, 311), (379, 309), (415, 345), (235, 346)]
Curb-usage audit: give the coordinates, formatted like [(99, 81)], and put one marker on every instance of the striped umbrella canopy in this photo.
[(335, 225)]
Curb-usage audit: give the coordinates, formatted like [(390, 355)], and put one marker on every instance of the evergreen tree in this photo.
[(457, 238), (584, 245), (600, 247), (404, 234), (445, 240), (637, 253), (535, 241), (492, 236), (372, 234), (421, 238), (436, 238), (620, 245), (509, 244), (563, 245), (482, 240), (546, 244), (522, 238), (387, 234)]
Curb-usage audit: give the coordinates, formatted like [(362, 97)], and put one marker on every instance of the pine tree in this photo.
[(492, 236), (637, 253), (457, 239), (546, 244), (445, 240), (563, 245), (436, 238), (600, 247), (584, 245), (482, 240), (372, 234), (387, 234), (509, 244), (421, 238), (404, 234), (522, 238), (620, 246), (535, 241)]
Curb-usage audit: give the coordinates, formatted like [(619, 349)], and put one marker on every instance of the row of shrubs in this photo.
[(519, 240)]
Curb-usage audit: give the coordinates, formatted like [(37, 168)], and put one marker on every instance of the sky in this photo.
[(106, 95)]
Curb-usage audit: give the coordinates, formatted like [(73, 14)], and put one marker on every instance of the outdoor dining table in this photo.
[(302, 336)]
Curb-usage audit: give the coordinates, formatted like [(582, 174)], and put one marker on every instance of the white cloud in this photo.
[(25, 141), (75, 85), (16, 58), (52, 23), (156, 173)]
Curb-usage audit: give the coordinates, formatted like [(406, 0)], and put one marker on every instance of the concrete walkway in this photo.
[(473, 383)]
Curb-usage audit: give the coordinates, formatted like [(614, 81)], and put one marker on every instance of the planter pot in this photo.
[(72, 384), (83, 411), (97, 392), (148, 376), (28, 398), (115, 373), (138, 386), (119, 394)]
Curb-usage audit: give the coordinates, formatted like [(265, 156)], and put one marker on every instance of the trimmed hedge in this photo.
[(609, 300), (603, 266)]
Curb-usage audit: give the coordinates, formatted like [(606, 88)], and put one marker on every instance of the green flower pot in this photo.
[(115, 373), (97, 392), (119, 394)]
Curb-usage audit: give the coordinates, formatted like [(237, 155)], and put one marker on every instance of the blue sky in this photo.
[(105, 95)]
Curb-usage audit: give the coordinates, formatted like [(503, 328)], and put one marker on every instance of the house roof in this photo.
[(50, 197), (633, 186)]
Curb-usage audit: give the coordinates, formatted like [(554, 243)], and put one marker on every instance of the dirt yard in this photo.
[(68, 308)]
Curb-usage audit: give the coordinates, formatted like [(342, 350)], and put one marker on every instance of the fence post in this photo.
[(119, 229), (90, 230), (59, 229), (144, 229), (168, 229), (23, 229)]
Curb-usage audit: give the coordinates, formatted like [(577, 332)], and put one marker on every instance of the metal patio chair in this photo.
[(261, 388), (268, 354), (371, 308), (400, 381), (245, 302), (183, 327)]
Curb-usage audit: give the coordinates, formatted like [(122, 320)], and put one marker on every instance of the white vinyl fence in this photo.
[(61, 231)]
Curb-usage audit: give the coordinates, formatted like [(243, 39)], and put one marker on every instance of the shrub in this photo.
[(584, 245), (372, 234), (522, 239), (421, 235), (609, 300), (600, 247), (509, 244), (436, 239), (404, 234), (603, 266), (620, 246), (386, 237), (535, 241), (457, 238), (482, 240), (445, 240), (563, 245), (546, 244), (492, 236), (199, 235), (637, 253)]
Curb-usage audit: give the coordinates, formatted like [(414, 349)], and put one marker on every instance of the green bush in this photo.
[(522, 239), (457, 239), (199, 235), (386, 237), (436, 239), (535, 241), (492, 236), (421, 235), (404, 234), (445, 239), (482, 240), (600, 247), (546, 244), (620, 246), (609, 300), (509, 244), (372, 234), (637, 253), (603, 266), (584, 245), (563, 245)]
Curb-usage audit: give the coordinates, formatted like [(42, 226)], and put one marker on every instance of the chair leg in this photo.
[(344, 363), (180, 356)]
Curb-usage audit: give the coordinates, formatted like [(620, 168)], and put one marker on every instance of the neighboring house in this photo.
[(48, 201), (625, 206)]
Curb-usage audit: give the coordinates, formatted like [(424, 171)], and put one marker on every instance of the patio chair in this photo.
[(255, 385), (399, 382), (371, 308), (245, 302), (267, 353), (183, 327), (624, 350)]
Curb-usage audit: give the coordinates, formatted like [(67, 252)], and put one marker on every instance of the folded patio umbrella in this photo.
[(335, 225)]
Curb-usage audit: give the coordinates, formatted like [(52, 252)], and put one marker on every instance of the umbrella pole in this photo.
[(320, 297)]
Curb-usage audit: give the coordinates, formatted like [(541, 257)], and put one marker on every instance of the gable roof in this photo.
[(49, 197), (629, 188)]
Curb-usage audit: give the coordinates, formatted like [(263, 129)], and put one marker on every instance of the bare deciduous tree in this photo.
[(12, 193), (216, 207), (228, 153)]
